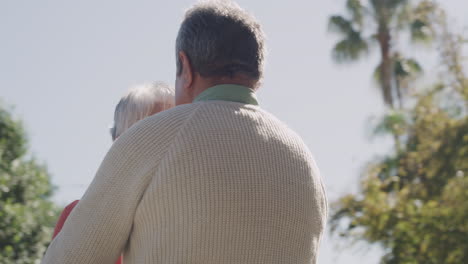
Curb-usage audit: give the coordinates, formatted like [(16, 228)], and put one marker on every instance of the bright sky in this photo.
[(65, 64)]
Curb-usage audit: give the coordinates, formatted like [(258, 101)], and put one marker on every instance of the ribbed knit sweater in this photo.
[(207, 183)]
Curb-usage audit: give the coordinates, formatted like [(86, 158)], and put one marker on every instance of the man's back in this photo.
[(234, 186), (208, 182)]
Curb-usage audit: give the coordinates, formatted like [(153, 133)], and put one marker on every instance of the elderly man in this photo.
[(215, 179)]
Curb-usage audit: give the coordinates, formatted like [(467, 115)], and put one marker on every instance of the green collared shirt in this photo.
[(228, 92)]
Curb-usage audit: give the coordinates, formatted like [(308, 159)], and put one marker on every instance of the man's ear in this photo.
[(187, 72)]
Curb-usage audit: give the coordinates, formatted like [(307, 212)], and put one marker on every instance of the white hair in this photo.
[(139, 102)]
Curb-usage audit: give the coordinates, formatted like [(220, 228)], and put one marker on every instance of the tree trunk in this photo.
[(386, 64)]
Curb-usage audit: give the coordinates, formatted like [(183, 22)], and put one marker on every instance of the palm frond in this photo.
[(405, 68), (421, 27), (350, 48), (394, 122), (404, 17), (356, 9), (405, 71), (387, 11), (383, 5), (340, 25), (394, 4), (377, 74), (421, 32)]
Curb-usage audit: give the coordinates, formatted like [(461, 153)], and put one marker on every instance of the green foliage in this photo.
[(420, 22), (406, 67), (379, 23), (414, 201), (26, 214), (352, 46), (394, 123), (12, 140), (356, 9)]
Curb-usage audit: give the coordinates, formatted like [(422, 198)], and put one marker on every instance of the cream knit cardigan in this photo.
[(207, 183)]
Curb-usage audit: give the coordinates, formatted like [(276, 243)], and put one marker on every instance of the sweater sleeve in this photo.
[(99, 226), (63, 216)]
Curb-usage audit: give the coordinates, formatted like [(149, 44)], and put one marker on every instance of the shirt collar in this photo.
[(228, 92)]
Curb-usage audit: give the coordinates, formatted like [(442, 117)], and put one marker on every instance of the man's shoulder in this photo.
[(157, 129), (279, 124), (251, 117), (181, 112), (286, 133), (150, 138), (166, 120)]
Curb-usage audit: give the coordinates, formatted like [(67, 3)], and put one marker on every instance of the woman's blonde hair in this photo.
[(139, 102)]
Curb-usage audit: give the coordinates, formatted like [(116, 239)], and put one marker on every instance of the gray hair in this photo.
[(139, 102), (221, 39)]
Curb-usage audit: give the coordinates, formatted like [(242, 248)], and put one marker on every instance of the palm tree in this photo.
[(380, 23)]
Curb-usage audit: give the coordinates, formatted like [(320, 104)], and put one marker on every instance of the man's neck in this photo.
[(201, 84)]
